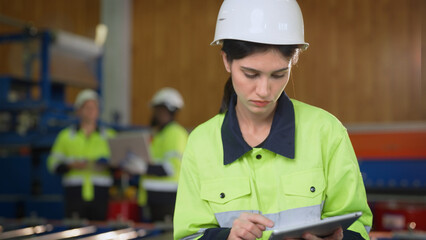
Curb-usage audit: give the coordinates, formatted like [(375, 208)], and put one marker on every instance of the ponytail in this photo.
[(228, 91)]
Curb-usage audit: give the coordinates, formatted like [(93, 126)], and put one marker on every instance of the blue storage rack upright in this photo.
[(25, 185)]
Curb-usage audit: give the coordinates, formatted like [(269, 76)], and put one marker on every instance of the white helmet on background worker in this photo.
[(168, 97), (278, 22), (85, 95)]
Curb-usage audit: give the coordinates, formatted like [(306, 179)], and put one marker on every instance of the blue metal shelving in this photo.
[(27, 187)]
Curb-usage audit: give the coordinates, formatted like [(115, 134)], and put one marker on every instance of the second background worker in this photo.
[(159, 185)]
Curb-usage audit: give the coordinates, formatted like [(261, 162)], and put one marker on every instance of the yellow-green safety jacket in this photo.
[(72, 145), (166, 149), (306, 169)]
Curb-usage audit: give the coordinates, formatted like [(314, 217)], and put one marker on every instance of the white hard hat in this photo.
[(168, 97), (277, 22), (85, 95)]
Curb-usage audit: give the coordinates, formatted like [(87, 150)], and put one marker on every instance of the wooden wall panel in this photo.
[(77, 16), (363, 64), (171, 48)]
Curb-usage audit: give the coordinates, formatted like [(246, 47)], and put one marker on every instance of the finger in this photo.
[(261, 227), (338, 234), (243, 225), (250, 234), (252, 228), (260, 219), (239, 232), (310, 236)]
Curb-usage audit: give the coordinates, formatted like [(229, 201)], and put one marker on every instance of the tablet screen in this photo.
[(319, 228), (135, 142)]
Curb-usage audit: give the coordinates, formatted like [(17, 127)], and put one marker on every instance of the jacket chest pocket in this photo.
[(226, 194), (304, 188)]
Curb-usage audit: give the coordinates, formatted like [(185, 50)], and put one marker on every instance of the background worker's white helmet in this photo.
[(85, 95), (168, 97), (277, 22)]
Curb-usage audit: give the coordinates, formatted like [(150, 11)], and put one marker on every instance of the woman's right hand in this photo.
[(249, 226)]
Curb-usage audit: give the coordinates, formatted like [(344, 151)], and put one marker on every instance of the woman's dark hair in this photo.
[(236, 49)]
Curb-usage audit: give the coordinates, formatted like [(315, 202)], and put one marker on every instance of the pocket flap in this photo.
[(225, 190), (309, 183)]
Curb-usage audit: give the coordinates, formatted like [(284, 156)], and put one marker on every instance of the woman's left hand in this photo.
[(337, 235)]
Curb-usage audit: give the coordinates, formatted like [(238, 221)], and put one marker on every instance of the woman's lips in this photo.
[(260, 103)]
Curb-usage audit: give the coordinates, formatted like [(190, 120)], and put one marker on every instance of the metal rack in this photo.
[(51, 108), (33, 109)]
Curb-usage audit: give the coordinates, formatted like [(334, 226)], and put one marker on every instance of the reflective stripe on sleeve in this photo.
[(173, 154), (168, 168), (280, 219), (159, 186), (195, 235), (368, 229), (166, 162)]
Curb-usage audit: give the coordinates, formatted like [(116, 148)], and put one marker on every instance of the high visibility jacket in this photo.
[(73, 145), (306, 169), (166, 149)]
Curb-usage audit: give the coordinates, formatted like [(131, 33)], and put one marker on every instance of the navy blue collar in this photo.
[(280, 139)]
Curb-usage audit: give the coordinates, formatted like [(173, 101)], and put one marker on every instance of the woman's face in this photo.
[(258, 80), (89, 111)]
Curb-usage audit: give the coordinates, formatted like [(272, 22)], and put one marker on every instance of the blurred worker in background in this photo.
[(266, 161), (158, 182), (80, 154)]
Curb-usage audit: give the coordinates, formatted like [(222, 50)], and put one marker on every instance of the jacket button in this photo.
[(222, 195), (312, 189), (258, 156)]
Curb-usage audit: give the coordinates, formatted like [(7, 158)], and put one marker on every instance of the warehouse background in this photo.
[(364, 65)]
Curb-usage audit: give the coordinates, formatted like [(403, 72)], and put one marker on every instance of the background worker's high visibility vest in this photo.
[(166, 148), (73, 145)]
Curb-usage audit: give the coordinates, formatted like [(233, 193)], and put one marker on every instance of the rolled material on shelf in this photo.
[(72, 60), (75, 45)]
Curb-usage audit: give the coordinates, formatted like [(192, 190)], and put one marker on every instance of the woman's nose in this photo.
[(262, 87)]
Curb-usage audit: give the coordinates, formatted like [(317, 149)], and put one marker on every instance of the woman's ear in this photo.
[(225, 62)]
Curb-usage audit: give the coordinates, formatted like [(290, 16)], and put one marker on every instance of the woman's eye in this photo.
[(279, 76), (253, 75)]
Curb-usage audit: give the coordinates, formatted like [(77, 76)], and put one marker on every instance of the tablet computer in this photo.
[(135, 142), (319, 228)]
